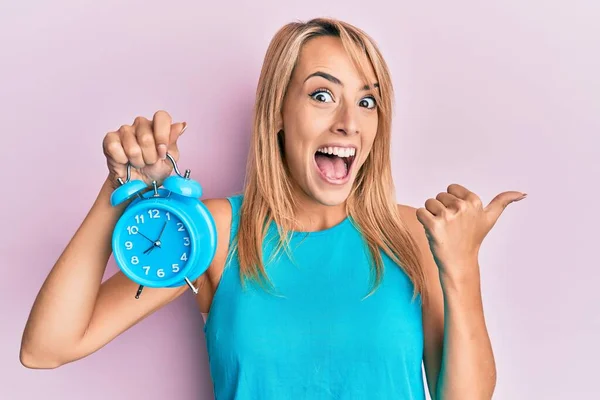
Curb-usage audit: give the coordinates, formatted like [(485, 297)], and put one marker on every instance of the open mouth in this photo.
[(335, 163)]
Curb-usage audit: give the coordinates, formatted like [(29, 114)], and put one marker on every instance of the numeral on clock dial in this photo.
[(160, 272)]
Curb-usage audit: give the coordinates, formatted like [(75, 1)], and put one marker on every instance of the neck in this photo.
[(311, 215)]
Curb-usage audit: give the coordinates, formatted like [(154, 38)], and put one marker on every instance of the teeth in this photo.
[(338, 151)]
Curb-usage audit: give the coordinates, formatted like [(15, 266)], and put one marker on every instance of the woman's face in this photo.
[(329, 121)]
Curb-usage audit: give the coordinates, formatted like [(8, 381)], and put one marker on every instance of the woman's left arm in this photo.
[(458, 357)]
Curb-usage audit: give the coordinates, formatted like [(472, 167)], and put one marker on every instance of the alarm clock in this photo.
[(166, 237)]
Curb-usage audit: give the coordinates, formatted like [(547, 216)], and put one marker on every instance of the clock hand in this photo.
[(145, 236), (157, 242), (161, 231)]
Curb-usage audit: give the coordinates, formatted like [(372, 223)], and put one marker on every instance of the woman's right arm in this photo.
[(74, 313)]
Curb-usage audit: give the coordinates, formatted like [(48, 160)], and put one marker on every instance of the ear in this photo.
[(279, 122), (280, 132)]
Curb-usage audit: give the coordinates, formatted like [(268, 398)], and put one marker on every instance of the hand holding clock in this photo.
[(141, 155), (89, 312), (144, 145)]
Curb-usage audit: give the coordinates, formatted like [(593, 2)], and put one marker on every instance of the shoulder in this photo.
[(408, 215), (219, 207), (433, 308), (406, 210), (221, 211)]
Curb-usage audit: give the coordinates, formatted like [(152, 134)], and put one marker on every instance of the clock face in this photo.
[(154, 244)]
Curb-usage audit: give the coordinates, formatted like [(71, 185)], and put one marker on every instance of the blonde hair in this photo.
[(268, 196)]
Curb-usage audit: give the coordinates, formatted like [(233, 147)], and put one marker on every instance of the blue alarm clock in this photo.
[(166, 237)]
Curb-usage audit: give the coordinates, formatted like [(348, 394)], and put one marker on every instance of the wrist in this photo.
[(106, 190), (460, 277), (110, 182)]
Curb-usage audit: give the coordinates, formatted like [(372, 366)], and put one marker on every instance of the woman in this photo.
[(359, 291)]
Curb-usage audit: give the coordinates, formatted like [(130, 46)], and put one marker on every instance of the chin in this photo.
[(329, 197)]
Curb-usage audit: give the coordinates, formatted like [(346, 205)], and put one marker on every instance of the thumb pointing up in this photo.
[(499, 203)]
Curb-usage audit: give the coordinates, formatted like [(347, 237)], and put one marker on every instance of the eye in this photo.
[(368, 102), (321, 95)]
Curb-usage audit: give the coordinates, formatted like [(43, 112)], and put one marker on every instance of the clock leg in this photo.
[(139, 291), (191, 285)]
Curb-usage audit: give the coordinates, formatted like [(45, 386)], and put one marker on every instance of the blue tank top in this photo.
[(316, 337)]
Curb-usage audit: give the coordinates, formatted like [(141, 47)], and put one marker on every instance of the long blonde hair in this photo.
[(267, 194)]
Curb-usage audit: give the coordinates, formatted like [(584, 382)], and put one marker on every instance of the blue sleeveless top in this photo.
[(314, 336)]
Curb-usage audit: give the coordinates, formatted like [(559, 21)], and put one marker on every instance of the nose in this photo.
[(346, 121)]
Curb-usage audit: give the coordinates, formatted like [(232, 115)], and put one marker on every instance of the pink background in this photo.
[(496, 97)]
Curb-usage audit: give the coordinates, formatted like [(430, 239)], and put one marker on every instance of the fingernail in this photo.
[(522, 197), (162, 151), (184, 128)]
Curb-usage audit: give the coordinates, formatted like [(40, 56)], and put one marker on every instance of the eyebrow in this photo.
[(335, 80)]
